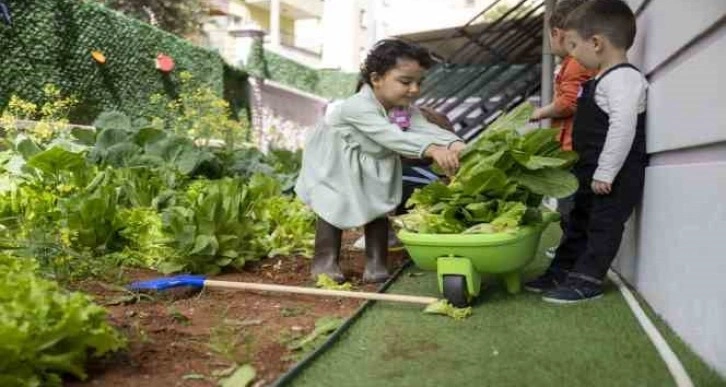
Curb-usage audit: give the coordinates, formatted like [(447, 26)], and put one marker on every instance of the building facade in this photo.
[(330, 34), (674, 251)]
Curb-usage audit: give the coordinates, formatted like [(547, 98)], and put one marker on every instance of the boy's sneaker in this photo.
[(551, 252), (550, 280), (574, 290)]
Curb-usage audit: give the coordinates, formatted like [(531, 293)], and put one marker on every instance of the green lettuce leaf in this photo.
[(505, 164), (550, 182), (444, 308), (45, 331), (509, 215)]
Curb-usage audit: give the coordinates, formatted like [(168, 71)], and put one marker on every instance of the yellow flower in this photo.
[(65, 236), (65, 188)]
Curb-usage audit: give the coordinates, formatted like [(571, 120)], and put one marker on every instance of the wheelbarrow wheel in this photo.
[(455, 290)]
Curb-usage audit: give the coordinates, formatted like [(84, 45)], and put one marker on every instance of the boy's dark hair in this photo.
[(611, 18), (562, 10), (386, 53)]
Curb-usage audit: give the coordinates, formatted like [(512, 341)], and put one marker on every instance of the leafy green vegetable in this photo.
[(502, 179), (142, 232), (323, 327), (225, 223), (241, 377), (443, 307), (428, 223), (481, 228), (136, 193), (283, 164), (550, 182), (509, 216), (325, 282), (290, 225), (56, 159), (211, 230), (194, 376), (112, 120), (119, 143), (91, 217), (44, 331)]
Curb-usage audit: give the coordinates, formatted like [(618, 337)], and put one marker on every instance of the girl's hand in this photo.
[(457, 146), (447, 159), (601, 187)]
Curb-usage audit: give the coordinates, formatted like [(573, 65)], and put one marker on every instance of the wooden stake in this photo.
[(320, 292)]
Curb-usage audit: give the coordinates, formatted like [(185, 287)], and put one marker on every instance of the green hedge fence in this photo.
[(325, 83), (50, 41)]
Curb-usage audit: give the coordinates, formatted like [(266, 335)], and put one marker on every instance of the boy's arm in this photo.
[(549, 111), (565, 101), (622, 91)]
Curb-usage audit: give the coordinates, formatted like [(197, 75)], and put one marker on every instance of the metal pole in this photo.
[(548, 62)]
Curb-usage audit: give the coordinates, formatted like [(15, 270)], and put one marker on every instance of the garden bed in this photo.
[(182, 337)]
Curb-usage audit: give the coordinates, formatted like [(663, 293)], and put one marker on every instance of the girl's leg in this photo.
[(327, 251), (376, 234)]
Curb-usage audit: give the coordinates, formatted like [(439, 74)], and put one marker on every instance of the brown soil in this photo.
[(181, 337)]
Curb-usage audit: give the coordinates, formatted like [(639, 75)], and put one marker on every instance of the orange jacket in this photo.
[(567, 87)]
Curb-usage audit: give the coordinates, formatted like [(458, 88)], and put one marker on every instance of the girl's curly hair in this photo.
[(386, 53)]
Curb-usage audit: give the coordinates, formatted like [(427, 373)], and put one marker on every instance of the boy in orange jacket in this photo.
[(568, 78)]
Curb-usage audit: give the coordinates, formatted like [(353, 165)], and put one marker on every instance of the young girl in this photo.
[(351, 172)]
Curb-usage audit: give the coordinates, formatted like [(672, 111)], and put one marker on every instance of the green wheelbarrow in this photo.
[(460, 259)]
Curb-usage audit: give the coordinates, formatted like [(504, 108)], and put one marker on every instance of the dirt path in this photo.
[(181, 338)]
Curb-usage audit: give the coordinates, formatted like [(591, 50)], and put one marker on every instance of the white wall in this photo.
[(401, 17), (351, 27), (342, 31), (302, 108), (284, 115), (674, 251)]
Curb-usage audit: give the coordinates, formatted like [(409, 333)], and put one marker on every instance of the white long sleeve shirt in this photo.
[(622, 95)]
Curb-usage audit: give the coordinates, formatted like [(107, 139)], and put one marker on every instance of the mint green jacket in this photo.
[(351, 170)]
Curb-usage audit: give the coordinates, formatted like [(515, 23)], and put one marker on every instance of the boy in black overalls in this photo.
[(609, 136)]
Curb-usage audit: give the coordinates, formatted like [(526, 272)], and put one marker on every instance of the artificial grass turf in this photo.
[(509, 341)]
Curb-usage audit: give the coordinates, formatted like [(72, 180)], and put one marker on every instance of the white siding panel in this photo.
[(670, 24), (686, 104), (681, 263)]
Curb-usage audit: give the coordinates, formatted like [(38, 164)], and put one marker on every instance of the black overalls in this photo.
[(593, 236)]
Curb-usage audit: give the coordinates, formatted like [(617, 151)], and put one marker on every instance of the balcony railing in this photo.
[(296, 9)]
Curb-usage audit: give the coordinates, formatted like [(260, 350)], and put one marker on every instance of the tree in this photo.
[(180, 17)]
